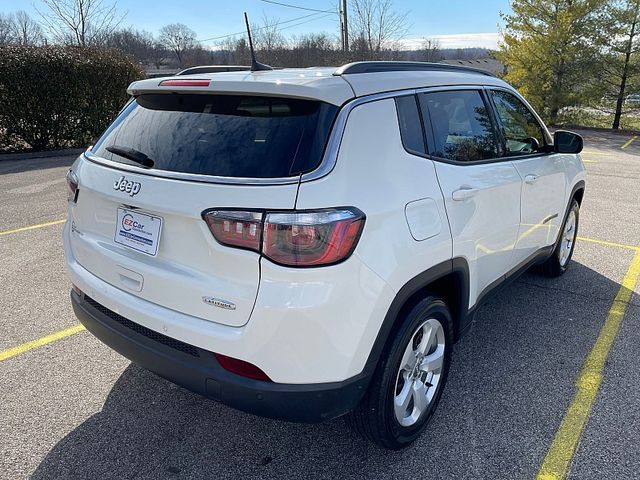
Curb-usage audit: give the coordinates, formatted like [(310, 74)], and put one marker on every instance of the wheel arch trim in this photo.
[(457, 270)]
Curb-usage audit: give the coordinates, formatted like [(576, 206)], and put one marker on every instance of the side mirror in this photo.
[(567, 142)]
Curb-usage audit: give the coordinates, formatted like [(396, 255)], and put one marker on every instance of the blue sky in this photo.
[(455, 23)]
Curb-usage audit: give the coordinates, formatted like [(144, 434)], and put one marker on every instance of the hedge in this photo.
[(59, 97)]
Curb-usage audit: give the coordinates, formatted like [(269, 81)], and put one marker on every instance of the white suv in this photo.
[(308, 243)]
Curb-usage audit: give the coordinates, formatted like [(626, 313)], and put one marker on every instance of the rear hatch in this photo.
[(169, 157)]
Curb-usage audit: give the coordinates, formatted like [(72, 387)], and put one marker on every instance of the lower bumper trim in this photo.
[(201, 373)]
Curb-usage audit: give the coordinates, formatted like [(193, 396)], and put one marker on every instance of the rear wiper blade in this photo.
[(131, 154)]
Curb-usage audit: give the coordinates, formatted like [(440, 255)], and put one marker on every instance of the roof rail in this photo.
[(374, 67)]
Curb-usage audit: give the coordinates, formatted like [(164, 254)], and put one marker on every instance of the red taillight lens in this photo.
[(72, 186), (185, 83), (236, 228), (295, 239), (242, 368), (305, 239)]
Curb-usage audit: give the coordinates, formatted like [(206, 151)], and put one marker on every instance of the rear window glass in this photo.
[(222, 135)]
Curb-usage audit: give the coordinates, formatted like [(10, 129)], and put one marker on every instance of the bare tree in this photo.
[(196, 55), (81, 22), (7, 29), (377, 25), (139, 44), (157, 55), (269, 41), (315, 49), (268, 36), (177, 38), (27, 30), (430, 51)]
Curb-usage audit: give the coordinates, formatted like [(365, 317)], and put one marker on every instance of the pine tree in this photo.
[(549, 48)]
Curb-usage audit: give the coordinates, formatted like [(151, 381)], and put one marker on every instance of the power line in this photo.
[(242, 32), (299, 7), (307, 21)]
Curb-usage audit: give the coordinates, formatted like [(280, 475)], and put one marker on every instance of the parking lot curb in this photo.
[(48, 154)]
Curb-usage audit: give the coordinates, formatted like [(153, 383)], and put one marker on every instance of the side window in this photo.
[(524, 135), (461, 125), (410, 124)]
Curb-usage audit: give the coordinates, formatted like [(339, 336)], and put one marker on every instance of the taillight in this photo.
[(305, 239), (236, 228), (72, 186), (296, 239)]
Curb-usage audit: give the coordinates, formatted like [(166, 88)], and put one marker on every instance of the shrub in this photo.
[(58, 97)]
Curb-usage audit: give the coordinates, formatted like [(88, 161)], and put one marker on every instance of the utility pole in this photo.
[(341, 26), (345, 32)]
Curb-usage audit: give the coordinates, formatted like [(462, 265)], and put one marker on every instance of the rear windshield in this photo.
[(223, 135)]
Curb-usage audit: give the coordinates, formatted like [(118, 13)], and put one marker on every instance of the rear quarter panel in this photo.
[(393, 188)]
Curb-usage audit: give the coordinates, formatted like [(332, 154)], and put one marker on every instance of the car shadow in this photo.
[(511, 380)]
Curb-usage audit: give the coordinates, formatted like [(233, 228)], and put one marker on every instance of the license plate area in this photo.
[(138, 231)]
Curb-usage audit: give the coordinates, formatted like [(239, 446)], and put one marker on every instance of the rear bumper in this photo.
[(197, 370)]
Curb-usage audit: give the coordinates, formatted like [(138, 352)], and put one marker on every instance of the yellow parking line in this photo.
[(609, 244), (589, 161), (32, 227), (40, 342), (593, 152), (556, 463), (631, 140)]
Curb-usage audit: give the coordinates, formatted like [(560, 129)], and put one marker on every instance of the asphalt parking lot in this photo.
[(72, 408)]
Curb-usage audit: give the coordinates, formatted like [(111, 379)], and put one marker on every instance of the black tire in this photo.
[(553, 267), (374, 418)]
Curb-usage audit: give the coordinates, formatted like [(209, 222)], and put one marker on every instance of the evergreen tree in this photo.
[(549, 48)]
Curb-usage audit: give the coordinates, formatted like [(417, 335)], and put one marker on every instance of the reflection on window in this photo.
[(224, 135), (461, 125), (522, 130)]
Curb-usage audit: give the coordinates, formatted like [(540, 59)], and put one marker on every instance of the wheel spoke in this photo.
[(433, 362), (408, 361), (419, 393), (427, 338), (401, 401)]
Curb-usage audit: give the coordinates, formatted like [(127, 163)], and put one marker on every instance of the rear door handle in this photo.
[(530, 179), (464, 193)]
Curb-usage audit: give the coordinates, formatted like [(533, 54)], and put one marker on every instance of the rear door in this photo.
[(481, 191), (543, 189), (143, 188)]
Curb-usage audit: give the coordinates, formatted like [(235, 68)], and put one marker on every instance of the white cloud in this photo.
[(458, 40)]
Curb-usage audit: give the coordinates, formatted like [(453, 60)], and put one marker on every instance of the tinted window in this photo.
[(523, 133), (225, 135), (410, 125), (461, 125)]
